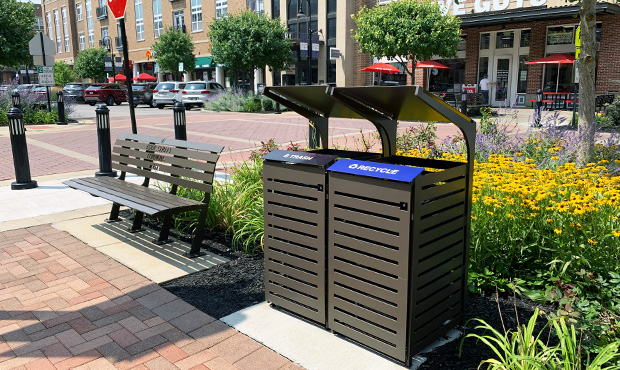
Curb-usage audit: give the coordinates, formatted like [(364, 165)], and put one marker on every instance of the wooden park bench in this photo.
[(176, 162)]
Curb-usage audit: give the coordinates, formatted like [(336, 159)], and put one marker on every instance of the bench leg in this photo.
[(137, 223), (165, 231), (198, 234), (114, 213)]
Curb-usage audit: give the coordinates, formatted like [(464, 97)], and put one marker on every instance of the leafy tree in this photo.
[(247, 41), (90, 63), (407, 30), (16, 29), (63, 74), (174, 47)]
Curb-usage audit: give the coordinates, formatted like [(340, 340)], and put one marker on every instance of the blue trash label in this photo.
[(315, 159), (380, 170)]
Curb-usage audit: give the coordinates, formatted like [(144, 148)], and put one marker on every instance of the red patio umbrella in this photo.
[(428, 65), (381, 68), (558, 59), (120, 77), (145, 77)]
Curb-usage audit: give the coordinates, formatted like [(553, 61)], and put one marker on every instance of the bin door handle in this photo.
[(319, 187), (403, 206)]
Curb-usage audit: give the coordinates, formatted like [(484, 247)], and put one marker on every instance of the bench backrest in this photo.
[(178, 162)]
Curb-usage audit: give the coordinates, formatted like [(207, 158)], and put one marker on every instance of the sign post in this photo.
[(37, 47), (118, 10)]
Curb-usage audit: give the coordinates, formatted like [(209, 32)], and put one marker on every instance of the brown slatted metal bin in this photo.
[(397, 255), (295, 212)]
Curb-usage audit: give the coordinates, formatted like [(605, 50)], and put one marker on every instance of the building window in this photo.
[(221, 8), (178, 20), (196, 15), (255, 5), (485, 41), (50, 30), (331, 31), (483, 67), (65, 28), (40, 26), (57, 28), (522, 81), (139, 21), (78, 11), (332, 6), (275, 9), (526, 35), (158, 26), (82, 41), (104, 34), (89, 24), (505, 40)]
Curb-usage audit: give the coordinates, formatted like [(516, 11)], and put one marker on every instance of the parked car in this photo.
[(74, 91), (24, 89), (167, 93), (40, 94), (4, 88), (107, 93), (143, 93), (197, 93)]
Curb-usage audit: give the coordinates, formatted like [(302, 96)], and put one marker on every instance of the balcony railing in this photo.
[(119, 43), (102, 12)]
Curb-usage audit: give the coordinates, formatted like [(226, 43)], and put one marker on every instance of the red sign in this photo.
[(118, 8)]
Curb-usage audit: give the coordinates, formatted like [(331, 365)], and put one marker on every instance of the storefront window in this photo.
[(505, 40), (565, 81), (442, 80), (561, 35), (485, 41), (483, 67), (526, 35), (522, 81)]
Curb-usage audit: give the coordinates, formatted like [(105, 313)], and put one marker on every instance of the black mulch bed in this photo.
[(227, 288)]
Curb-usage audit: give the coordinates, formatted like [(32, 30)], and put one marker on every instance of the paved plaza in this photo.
[(67, 299)]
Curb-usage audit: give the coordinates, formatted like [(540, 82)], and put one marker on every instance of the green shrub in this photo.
[(268, 104), (613, 112), (252, 104)]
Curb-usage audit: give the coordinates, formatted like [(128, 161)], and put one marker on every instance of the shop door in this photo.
[(501, 90)]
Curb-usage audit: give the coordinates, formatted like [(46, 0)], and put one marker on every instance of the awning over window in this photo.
[(204, 62)]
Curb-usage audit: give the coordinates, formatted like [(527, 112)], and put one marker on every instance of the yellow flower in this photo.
[(593, 242), (557, 231), (549, 220), (491, 213), (510, 215), (616, 233)]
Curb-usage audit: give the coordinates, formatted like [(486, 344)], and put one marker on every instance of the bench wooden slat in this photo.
[(172, 151), (173, 142), (127, 197), (158, 176), (164, 166), (148, 194)]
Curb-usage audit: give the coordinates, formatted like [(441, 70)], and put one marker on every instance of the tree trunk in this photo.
[(587, 122)]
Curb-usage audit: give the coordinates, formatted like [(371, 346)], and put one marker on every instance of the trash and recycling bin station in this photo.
[(372, 246)]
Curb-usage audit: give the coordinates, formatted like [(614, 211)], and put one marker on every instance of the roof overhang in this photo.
[(531, 14)]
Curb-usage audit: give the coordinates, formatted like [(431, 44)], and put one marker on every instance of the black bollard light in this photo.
[(539, 98), (180, 129), (61, 108), (103, 140), (277, 111), (464, 102), (17, 131), (16, 99)]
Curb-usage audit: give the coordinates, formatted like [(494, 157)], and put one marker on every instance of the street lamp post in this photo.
[(107, 42)]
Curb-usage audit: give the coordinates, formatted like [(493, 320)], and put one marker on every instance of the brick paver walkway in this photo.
[(64, 305)]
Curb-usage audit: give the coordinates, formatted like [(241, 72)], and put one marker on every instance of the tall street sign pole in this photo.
[(118, 10)]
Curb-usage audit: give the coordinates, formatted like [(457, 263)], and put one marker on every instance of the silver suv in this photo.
[(197, 93), (167, 93)]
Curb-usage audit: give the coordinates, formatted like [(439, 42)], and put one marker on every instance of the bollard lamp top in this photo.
[(178, 106), (14, 113), (102, 108)]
